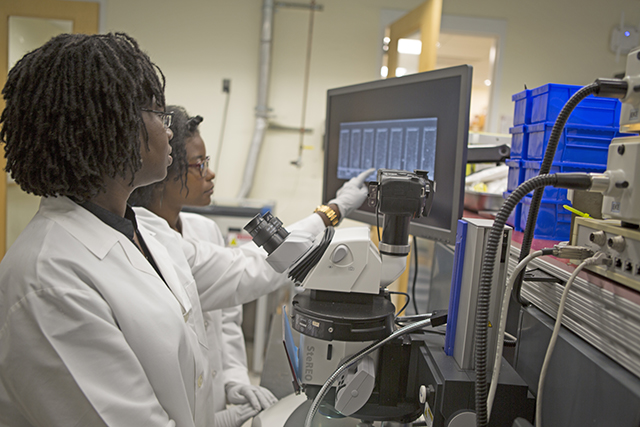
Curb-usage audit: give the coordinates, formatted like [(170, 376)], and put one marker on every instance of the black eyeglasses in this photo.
[(166, 118), (201, 166)]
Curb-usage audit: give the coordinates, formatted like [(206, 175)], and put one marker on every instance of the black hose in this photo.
[(484, 291), (545, 167)]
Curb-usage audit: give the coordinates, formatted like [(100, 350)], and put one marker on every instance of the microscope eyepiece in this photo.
[(267, 231)]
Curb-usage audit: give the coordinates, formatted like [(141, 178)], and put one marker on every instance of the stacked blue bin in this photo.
[(582, 147)]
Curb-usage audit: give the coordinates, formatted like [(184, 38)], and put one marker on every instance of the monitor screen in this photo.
[(419, 121)]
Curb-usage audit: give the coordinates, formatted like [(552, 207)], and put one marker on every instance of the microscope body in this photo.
[(345, 306)]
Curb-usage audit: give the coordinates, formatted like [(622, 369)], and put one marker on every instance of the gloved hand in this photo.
[(258, 397), (235, 416), (352, 194)]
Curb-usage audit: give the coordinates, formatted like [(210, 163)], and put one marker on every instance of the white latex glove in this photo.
[(258, 397), (235, 416), (352, 194)]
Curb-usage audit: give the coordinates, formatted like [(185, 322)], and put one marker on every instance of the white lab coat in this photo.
[(91, 336), (226, 278), (236, 272), (227, 353)]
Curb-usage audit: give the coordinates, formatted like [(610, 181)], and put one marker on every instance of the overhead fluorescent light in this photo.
[(410, 46)]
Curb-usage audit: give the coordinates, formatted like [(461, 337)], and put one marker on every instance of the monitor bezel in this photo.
[(464, 72)]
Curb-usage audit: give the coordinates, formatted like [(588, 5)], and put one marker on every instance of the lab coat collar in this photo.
[(126, 225), (97, 236), (99, 239)]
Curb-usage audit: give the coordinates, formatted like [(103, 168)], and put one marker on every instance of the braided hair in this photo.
[(183, 127), (73, 113)]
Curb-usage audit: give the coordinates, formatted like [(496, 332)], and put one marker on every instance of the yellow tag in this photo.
[(480, 187), (428, 415), (576, 211), (490, 325)]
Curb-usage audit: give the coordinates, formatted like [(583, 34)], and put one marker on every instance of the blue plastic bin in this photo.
[(514, 217), (577, 143), (522, 107), (532, 169), (547, 102), (554, 221), (519, 141), (516, 173)]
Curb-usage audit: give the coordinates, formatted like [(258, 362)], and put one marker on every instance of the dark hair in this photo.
[(183, 127), (73, 113)]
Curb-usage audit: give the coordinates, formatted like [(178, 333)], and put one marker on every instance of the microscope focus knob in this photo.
[(339, 253)]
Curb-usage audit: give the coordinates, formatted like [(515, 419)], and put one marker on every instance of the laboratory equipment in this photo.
[(470, 247), (614, 183), (621, 244), (418, 121), (447, 396), (345, 307)]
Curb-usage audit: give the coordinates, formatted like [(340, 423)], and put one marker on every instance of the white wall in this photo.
[(197, 43), (552, 41)]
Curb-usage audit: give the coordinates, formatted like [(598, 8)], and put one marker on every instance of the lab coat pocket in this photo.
[(194, 317)]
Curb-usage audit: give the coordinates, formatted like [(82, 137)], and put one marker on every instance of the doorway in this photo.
[(462, 40), (457, 49)]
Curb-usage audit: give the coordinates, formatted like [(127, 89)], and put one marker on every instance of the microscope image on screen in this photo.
[(408, 124), (406, 144)]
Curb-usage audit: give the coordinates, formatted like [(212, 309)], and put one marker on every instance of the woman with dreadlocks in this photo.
[(189, 182), (99, 323)]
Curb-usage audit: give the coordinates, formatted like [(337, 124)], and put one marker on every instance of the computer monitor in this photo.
[(419, 121)]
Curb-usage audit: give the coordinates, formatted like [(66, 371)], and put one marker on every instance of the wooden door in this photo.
[(83, 18), (424, 19)]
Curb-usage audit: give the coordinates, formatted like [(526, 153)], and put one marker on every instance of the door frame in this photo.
[(424, 18), (496, 28)]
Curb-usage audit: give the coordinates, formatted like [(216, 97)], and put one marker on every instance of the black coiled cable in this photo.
[(545, 167), (484, 292), (300, 271)]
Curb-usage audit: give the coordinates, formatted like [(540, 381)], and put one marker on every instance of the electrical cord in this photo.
[(572, 252), (415, 274), (545, 167), (598, 258), (378, 228), (501, 329), (437, 319), (406, 302), (378, 221)]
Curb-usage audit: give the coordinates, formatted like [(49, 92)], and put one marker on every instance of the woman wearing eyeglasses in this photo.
[(189, 182), (100, 325)]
